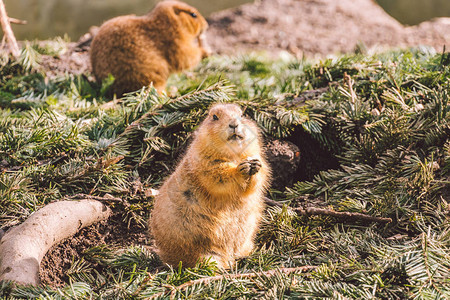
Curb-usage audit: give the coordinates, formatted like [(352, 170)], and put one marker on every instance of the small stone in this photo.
[(150, 192)]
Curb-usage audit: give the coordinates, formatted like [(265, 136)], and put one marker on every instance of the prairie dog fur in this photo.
[(140, 50), (212, 204)]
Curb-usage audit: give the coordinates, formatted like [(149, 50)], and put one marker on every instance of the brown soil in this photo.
[(72, 62), (113, 233)]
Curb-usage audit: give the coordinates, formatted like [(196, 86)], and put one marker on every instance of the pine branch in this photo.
[(213, 93), (430, 279), (208, 280), (165, 125), (344, 216)]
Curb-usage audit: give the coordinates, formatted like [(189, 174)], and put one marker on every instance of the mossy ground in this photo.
[(383, 118)]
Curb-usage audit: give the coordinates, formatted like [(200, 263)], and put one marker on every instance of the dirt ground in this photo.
[(301, 27), (113, 233)]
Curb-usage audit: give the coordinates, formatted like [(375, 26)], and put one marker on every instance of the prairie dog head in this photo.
[(228, 131), (188, 18)]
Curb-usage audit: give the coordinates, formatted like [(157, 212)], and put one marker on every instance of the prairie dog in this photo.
[(142, 50), (212, 204)]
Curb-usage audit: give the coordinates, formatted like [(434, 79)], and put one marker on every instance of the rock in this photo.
[(317, 27)]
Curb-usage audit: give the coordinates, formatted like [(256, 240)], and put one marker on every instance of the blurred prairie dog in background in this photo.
[(143, 50), (211, 206)]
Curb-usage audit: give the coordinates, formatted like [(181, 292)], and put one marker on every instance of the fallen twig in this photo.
[(6, 27), (98, 166), (17, 21), (271, 202), (44, 162), (106, 198), (314, 211), (309, 211), (231, 277)]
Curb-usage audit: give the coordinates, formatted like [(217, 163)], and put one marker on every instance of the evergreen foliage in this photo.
[(384, 117)]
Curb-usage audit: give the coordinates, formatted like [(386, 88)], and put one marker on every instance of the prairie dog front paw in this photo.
[(250, 166), (206, 50)]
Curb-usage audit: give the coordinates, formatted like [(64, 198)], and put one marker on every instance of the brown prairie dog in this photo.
[(143, 50), (211, 206)]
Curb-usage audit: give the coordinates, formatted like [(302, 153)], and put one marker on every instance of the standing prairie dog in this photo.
[(210, 207), (144, 50)]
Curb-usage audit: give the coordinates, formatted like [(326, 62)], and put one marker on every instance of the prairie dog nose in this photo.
[(234, 124)]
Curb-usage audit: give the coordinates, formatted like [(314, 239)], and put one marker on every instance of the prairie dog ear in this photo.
[(188, 18), (177, 10)]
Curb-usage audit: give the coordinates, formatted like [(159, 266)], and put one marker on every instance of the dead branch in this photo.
[(344, 215), (6, 27), (354, 216), (207, 280), (23, 247), (17, 21), (106, 198), (271, 202)]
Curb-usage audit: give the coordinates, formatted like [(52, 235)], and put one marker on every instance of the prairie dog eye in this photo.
[(194, 15), (215, 118)]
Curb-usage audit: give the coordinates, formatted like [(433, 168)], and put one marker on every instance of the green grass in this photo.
[(384, 119)]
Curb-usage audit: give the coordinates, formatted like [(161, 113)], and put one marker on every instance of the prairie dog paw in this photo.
[(203, 44), (250, 166)]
